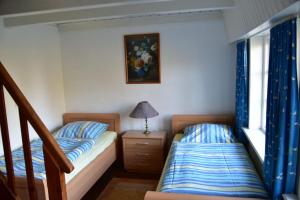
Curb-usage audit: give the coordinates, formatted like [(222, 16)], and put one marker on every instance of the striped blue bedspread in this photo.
[(72, 148), (211, 169)]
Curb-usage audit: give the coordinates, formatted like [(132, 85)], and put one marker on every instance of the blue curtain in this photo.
[(282, 131), (242, 88)]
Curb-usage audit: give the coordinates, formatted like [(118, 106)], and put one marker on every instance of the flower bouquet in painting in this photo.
[(142, 58)]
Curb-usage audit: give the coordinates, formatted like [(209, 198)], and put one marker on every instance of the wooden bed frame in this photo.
[(85, 179), (178, 124)]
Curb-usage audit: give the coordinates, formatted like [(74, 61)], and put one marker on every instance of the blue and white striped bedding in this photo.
[(211, 169), (82, 129), (72, 147), (208, 133)]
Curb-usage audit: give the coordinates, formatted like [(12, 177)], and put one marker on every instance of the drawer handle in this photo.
[(144, 143), (142, 154)]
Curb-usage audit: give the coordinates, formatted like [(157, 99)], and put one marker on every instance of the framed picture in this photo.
[(142, 59)]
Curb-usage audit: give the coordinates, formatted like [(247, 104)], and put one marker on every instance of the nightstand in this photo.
[(144, 153)]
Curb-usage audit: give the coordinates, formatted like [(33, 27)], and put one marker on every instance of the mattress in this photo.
[(79, 151), (210, 169), (101, 143)]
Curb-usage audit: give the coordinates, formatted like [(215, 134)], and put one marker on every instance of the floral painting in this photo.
[(142, 58)]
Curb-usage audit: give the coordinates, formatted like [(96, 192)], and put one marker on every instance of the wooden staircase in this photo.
[(56, 163)]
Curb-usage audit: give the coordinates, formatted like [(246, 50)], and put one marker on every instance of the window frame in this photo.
[(256, 130)]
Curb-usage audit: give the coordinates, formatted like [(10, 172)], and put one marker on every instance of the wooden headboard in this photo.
[(179, 122), (113, 119)]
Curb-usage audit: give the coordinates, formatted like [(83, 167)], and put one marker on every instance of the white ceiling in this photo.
[(17, 6), (241, 17), (15, 12)]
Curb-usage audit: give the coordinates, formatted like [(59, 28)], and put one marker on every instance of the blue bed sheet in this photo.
[(211, 169), (72, 148)]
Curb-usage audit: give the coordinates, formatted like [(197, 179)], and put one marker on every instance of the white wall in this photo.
[(32, 56), (197, 72)]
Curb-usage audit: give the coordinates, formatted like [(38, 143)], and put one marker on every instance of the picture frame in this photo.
[(142, 58)]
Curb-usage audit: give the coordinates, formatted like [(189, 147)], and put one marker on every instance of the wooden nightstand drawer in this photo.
[(144, 164), (144, 153), (147, 156), (143, 143)]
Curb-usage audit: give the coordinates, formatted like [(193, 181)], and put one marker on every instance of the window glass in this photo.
[(258, 76), (265, 82)]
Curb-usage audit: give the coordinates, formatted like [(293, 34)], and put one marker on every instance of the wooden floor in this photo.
[(115, 171), (127, 189)]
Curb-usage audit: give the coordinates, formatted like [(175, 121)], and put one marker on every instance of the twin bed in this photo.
[(208, 169), (213, 166), (90, 157)]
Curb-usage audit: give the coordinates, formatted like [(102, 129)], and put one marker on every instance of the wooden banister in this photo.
[(56, 162), (6, 142), (6, 192), (55, 177), (48, 140), (27, 156)]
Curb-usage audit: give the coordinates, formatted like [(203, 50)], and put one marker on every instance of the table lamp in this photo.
[(144, 110)]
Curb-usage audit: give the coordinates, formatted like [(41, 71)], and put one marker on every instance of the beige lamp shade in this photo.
[(144, 110)]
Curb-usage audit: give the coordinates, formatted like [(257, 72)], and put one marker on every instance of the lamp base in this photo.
[(146, 132)]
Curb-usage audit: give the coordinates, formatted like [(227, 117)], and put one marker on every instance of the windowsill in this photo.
[(289, 197), (257, 139)]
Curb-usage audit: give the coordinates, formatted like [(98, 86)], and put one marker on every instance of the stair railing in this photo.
[(56, 163)]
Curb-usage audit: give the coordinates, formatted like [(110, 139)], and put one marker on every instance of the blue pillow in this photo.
[(82, 129), (208, 133)]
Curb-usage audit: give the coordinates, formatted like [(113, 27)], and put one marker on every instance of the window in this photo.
[(265, 72), (259, 62), (258, 83)]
